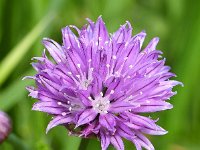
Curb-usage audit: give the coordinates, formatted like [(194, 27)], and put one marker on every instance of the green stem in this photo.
[(17, 142), (84, 144)]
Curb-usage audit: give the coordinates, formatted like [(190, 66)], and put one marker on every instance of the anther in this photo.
[(64, 113), (114, 57)]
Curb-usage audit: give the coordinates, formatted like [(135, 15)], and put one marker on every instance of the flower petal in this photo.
[(125, 131), (87, 116), (100, 34), (107, 121), (58, 120), (105, 140), (142, 141), (117, 142), (70, 39), (121, 106), (54, 49), (48, 107), (147, 125), (153, 106)]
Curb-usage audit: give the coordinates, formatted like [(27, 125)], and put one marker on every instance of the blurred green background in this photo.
[(23, 23)]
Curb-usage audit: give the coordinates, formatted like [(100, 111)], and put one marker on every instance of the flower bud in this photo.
[(5, 126)]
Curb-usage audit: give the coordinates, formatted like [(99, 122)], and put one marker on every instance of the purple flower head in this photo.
[(99, 84), (5, 126)]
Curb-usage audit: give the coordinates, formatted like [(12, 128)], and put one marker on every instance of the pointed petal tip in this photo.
[(160, 131), (47, 130), (28, 88), (143, 32), (49, 127), (28, 77), (129, 26), (45, 40), (36, 106), (63, 30), (24, 78), (169, 106), (165, 132), (100, 20), (100, 17), (181, 84), (156, 39), (175, 83), (89, 20)]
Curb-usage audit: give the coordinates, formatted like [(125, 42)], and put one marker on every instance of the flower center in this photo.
[(101, 104)]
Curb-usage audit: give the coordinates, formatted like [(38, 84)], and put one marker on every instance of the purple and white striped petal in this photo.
[(58, 120), (108, 121), (105, 140), (86, 116), (117, 142)]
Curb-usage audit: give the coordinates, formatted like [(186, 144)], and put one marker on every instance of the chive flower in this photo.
[(100, 84), (5, 126)]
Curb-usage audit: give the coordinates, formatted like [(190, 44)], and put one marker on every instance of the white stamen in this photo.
[(125, 58), (70, 108), (69, 73), (131, 66), (108, 65), (141, 93), (79, 65), (112, 92), (89, 60), (101, 93), (147, 101), (59, 103), (78, 44), (131, 96), (78, 76), (101, 104), (117, 73), (64, 113), (114, 57)]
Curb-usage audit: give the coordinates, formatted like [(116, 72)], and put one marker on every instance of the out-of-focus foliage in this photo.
[(23, 23)]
